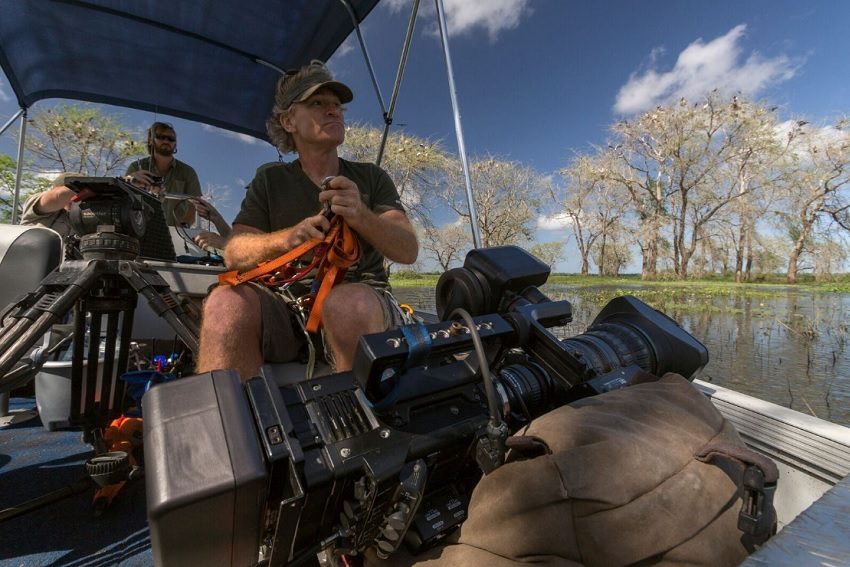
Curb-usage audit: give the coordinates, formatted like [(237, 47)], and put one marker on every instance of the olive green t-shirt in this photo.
[(281, 195), (180, 179), (57, 220)]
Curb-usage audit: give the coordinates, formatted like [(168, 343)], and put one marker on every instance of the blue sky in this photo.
[(540, 80)]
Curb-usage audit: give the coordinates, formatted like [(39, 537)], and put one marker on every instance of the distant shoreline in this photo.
[(717, 285)]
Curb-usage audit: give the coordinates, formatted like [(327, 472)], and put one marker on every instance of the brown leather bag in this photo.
[(648, 474)]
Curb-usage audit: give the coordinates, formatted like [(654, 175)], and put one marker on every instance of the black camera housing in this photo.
[(384, 454), (487, 277)]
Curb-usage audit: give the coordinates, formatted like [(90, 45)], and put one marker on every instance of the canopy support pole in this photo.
[(388, 117), (11, 121), (17, 200), (444, 39), (366, 56)]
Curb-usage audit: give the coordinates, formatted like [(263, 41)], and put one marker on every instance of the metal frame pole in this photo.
[(444, 39), (366, 56), (11, 121), (17, 199), (388, 117)]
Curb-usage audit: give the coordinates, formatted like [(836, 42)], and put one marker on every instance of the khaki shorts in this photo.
[(283, 340)]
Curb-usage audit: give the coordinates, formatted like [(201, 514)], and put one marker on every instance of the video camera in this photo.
[(119, 220), (277, 471)]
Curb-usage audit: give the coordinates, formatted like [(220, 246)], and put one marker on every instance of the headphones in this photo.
[(152, 134)]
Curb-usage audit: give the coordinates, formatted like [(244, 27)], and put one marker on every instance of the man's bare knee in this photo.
[(353, 304), (228, 305)]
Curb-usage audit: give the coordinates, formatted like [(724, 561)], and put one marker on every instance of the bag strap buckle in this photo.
[(757, 516)]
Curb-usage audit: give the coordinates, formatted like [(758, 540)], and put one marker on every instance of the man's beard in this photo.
[(163, 150)]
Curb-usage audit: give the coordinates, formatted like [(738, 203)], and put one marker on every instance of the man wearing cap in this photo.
[(247, 325)]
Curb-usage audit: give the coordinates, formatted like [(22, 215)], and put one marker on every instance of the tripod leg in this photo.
[(146, 284), (37, 320)]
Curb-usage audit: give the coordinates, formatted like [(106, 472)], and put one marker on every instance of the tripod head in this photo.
[(118, 221)]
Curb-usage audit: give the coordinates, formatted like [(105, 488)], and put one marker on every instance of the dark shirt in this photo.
[(281, 195), (180, 179)]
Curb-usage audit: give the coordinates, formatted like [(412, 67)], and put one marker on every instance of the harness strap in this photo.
[(333, 255)]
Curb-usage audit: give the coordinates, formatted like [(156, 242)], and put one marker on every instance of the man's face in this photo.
[(318, 120), (164, 141)]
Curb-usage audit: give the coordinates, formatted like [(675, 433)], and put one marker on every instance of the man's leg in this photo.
[(231, 332), (350, 311)]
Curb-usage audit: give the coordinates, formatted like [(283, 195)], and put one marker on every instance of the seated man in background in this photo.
[(162, 174), (246, 325), (50, 208)]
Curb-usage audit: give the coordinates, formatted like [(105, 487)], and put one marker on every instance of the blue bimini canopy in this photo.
[(212, 61)]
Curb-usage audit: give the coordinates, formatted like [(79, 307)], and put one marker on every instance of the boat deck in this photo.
[(820, 535), (35, 462)]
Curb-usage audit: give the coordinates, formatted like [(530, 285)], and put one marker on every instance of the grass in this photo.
[(711, 286)]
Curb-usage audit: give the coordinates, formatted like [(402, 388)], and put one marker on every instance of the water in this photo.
[(789, 348)]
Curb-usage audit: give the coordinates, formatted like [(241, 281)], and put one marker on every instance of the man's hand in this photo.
[(145, 180), (207, 240), (344, 198), (311, 227), (206, 210)]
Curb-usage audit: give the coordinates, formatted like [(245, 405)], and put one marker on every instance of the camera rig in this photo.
[(116, 222), (390, 452)]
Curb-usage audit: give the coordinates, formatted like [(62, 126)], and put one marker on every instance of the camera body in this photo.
[(114, 202), (119, 220), (390, 452)]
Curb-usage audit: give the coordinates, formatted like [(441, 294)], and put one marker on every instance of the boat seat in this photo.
[(27, 255)]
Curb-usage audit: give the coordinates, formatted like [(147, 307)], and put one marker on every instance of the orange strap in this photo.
[(332, 255)]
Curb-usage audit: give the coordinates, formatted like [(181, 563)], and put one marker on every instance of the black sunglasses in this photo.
[(164, 137)]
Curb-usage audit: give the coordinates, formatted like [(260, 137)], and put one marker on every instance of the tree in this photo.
[(550, 253), (684, 164), (830, 254), (29, 185), (750, 170), (417, 166), (81, 139), (507, 196), (446, 244), (585, 177), (816, 186), (635, 170), (613, 256)]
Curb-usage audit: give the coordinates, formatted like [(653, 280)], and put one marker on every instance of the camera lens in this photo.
[(607, 346), (526, 390)]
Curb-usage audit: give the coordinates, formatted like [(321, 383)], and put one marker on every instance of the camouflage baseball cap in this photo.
[(301, 84)]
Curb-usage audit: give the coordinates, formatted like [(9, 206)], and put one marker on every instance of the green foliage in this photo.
[(80, 138), (29, 185), (416, 165)]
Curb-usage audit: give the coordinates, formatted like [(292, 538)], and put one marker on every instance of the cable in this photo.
[(489, 388)]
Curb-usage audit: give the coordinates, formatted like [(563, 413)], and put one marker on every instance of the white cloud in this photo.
[(701, 68), (347, 46), (244, 138), (3, 96), (558, 221), (466, 16)]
